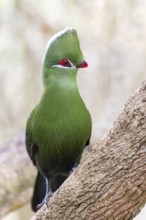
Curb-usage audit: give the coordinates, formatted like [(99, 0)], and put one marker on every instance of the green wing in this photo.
[(30, 145)]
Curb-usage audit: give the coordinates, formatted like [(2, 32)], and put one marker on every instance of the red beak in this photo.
[(84, 64)]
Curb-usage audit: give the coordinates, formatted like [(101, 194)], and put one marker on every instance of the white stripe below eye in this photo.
[(62, 67)]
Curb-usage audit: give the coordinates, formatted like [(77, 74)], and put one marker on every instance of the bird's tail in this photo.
[(39, 191)]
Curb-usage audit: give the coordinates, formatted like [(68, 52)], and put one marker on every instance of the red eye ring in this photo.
[(65, 62)]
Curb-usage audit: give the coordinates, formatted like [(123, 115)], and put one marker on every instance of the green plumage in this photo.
[(59, 127)]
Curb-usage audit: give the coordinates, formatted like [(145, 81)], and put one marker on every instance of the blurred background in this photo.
[(113, 39)]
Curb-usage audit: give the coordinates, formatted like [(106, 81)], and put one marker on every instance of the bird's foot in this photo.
[(73, 169), (45, 200)]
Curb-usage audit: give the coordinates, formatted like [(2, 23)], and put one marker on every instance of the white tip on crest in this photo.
[(58, 35)]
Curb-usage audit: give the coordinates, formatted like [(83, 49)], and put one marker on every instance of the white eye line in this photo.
[(64, 67)]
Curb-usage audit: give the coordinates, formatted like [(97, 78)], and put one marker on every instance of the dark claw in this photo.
[(73, 169)]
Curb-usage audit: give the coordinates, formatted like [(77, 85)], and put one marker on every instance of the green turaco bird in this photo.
[(59, 127)]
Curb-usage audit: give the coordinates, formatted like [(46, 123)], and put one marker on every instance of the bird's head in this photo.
[(63, 54)]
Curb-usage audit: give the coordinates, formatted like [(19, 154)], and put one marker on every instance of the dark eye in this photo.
[(65, 63)]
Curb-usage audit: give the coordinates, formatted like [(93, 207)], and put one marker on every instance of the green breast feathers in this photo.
[(59, 127)]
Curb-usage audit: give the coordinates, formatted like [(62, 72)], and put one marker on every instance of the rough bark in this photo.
[(110, 182), (16, 175)]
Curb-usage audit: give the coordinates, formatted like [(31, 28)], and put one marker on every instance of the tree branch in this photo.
[(110, 182), (16, 175)]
